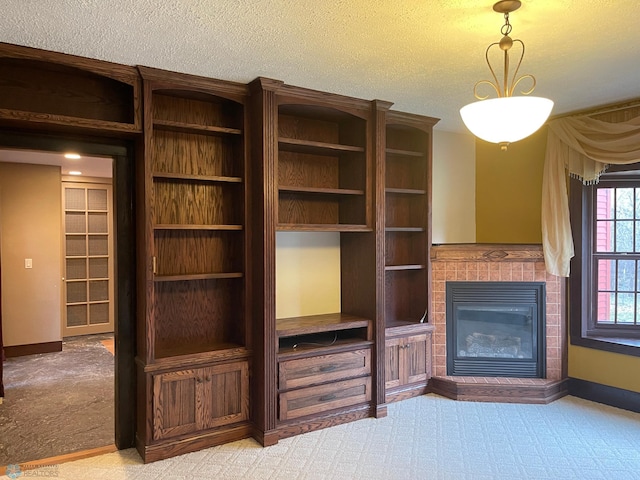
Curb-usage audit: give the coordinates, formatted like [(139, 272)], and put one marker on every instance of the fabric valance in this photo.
[(583, 147)]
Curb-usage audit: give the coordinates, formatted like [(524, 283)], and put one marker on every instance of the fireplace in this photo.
[(503, 263), (496, 329)]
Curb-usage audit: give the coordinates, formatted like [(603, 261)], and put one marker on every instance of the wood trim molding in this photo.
[(612, 396), (489, 252), (54, 461), (32, 349), (541, 392)]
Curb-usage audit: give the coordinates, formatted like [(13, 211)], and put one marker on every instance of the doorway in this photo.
[(39, 303), (123, 156)]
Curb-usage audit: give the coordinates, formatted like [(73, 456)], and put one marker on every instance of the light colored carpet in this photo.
[(427, 437)]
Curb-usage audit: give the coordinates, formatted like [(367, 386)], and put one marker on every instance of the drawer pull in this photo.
[(326, 398), (327, 368)]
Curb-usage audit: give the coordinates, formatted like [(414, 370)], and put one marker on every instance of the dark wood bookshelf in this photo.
[(330, 322), (320, 190), (405, 191), (194, 335), (403, 267), (196, 178), (318, 148), (185, 226), (322, 227), (197, 276), (181, 127), (405, 153)]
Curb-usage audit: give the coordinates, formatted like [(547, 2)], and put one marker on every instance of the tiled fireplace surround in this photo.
[(504, 263)]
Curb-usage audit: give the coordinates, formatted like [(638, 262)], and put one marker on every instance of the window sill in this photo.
[(624, 346)]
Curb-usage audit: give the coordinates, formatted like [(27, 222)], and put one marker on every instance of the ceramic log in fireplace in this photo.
[(496, 329)]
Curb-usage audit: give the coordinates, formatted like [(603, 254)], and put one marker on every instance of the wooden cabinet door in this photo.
[(174, 403), (407, 360), (187, 401), (224, 397), (417, 359), (392, 360)]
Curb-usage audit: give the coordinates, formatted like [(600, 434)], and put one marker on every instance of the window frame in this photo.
[(582, 284)]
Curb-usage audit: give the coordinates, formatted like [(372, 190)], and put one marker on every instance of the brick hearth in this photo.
[(504, 263)]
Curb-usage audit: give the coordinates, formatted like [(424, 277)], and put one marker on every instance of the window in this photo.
[(605, 272)]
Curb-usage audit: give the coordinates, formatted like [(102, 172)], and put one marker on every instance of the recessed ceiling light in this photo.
[(75, 172), (72, 156)]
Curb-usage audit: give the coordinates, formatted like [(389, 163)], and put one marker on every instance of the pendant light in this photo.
[(506, 119)]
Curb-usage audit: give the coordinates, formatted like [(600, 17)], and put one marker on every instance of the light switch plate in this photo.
[(28, 263)]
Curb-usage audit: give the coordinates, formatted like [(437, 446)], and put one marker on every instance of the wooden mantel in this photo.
[(487, 252)]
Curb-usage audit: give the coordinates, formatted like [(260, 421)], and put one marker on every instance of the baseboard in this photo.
[(265, 438), (612, 396), (54, 461), (168, 448), (403, 393), (331, 419), (32, 349)]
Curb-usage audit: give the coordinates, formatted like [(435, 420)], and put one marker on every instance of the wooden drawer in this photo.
[(304, 372), (313, 400)]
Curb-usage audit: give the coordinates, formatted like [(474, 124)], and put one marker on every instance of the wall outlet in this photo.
[(28, 263)]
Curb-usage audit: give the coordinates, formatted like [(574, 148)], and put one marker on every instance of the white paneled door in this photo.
[(88, 258)]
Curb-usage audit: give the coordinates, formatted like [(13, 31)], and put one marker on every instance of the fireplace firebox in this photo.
[(496, 329)]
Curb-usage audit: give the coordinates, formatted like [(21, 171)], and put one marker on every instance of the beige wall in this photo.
[(30, 227), (307, 273), (454, 188)]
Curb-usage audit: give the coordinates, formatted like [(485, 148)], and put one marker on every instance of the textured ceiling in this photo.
[(424, 55)]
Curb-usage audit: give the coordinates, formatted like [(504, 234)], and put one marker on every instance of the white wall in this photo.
[(30, 227), (454, 188)]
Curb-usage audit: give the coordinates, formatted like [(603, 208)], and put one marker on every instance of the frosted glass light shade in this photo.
[(507, 119)]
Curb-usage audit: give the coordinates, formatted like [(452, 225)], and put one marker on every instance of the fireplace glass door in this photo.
[(495, 329)]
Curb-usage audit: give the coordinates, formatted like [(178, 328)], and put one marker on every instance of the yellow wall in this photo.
[(30, 227), (615, 370), (508, 198), (508, 190)]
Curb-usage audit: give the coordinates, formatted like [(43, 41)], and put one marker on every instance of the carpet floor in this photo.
[(427, 437), (58, 403)]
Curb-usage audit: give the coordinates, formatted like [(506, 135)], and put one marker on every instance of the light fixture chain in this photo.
[(506, 28)]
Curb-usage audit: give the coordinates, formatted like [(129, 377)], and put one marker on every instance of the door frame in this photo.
[(123, 183)]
